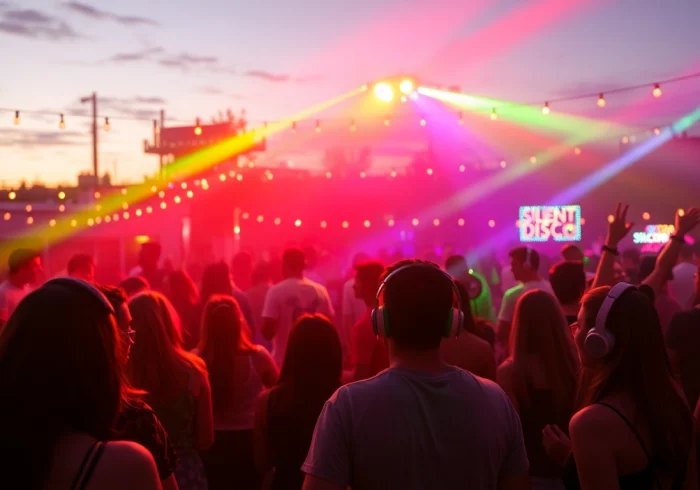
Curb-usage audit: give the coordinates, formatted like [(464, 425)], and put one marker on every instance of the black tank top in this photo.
[(644, 479)]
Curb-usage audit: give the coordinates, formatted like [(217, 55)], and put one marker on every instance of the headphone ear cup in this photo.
[(599, 344), (380, 322)]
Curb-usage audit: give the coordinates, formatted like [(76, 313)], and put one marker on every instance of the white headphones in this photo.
[(599, 340), (380, 316)]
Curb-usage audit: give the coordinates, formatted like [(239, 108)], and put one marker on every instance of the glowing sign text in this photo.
[(653, 237), (544, 223)]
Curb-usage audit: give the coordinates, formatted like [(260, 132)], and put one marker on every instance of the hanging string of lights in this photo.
[(599, 96)]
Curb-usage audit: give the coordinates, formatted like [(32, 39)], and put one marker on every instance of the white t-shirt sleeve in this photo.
[(328, 456), (326, 306), (271, 307)]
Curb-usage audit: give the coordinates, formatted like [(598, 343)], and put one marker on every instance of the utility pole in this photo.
[(93, 100)]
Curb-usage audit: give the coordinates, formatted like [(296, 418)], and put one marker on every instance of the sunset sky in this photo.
[(274, 57)]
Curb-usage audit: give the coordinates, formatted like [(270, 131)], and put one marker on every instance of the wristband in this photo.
[(611, 250), (678, 239)]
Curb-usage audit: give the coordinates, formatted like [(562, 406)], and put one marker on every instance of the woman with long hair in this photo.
[(540, 378), (286, 415), (182, 292), (62, 382), (176, 383), (238, 372), (137, 421), (217, 280), (633, 428)]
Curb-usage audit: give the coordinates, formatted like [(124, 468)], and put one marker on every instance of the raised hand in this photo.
[(618, 228), (686, 221)]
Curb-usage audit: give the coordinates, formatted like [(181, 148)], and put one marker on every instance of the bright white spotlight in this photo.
[(406, 86), (384, 92)]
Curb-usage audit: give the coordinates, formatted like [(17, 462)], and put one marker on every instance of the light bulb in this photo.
[(318, 126), (657, 91), (545, 109), (62, 123), (17, 118), (107, 125), (601, 100), (461, 118), (494, 116), (423, 122)]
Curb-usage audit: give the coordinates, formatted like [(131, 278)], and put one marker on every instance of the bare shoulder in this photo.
[(125, 464), (593, 422)]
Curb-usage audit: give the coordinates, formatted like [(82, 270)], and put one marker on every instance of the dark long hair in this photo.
[(313, 361), (216, 280), (540, 334), (224, 334), (158, 363), (59, 370), (638, 366)]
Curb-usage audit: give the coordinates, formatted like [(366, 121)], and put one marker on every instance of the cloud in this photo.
[(34, 24), (210, 91), (145, 54), (186, 61), (136, 107), (28, 139), (97, 14), (278, 77)]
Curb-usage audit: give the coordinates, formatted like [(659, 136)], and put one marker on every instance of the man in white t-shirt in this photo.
[(24, 270), (682, 286), (421, 424), (290, 299), (524, 263)]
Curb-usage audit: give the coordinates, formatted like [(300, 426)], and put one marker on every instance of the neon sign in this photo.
[(544, 223), (653, 238)]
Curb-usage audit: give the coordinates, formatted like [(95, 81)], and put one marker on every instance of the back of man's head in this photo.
[(572, 253), (568, 281), (418, 300), (293, 261), (456, 265), (527, 256), (20, 258), (80, 263)]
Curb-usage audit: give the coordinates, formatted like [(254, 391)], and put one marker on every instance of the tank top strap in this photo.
[(87, 466), (631, 427)]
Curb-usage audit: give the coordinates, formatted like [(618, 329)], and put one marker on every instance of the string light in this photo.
[(646, 216), (28, 208), (277, 221), (98, 220), (74, 223), (261, 218), (12, 195), (601, 100), (297, 223), (391, 223), (62, 123), (124, 191), (7, 216), (345, 225), (236, 230), (61, 208), (367, 223), (183, 185), (197, 128), (533, 159), (436, 222), (545, 108), (461, 119), (90, 222), (353, 126), (108, 219), (318, 125), (126, 215), (139, 213), (30, 220), (503, 164), (239, 177), (190, 194), (611, 218), (492, 223), (149, 209), (415, 222), (625, 140), (17, 118), (177, 199), (577, 151), (393, 173), (657, 91), (429, 171), (108, 126), (387, 122), (294, 127), (329, 174), (324, 224), (462, 168), (657, 131), (52, 223), (163, 205), (460, 222), (680, 212), (494, 116), (423, 122), (363, 174)]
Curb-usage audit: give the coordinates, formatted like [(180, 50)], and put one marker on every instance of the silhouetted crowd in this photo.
[(582, 380)]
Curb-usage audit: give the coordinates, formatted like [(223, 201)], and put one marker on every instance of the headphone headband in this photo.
[(79, 284), (386, 280), (613, 295), (599, 340), (380, 316)]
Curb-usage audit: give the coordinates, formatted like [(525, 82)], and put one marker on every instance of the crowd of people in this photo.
[(582, 380)]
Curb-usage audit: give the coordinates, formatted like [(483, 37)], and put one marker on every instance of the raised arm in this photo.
[(668, 257), (618, 229)]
